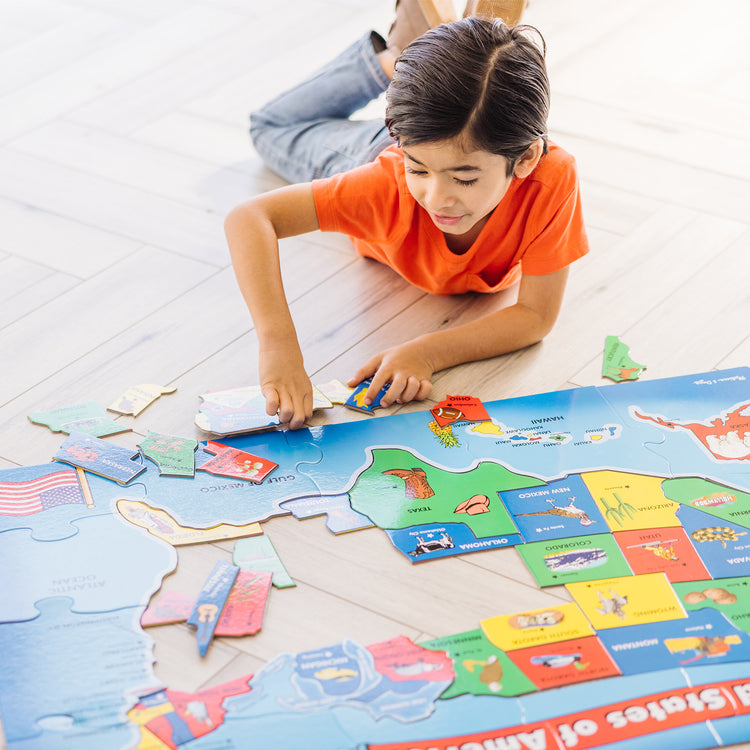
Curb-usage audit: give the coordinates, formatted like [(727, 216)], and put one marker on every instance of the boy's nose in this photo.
[(439, 197)]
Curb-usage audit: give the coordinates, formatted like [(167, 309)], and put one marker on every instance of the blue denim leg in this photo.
[(306, 132)]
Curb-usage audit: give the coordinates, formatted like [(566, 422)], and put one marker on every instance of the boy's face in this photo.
[(458, 189)]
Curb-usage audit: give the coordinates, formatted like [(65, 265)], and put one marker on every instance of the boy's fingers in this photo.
[(411, 390), (272, 401), (425, 389)]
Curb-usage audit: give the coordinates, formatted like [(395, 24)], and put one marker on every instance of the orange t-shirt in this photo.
[(537, 228)]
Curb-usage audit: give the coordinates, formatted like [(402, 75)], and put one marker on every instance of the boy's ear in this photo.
[(528, 161)]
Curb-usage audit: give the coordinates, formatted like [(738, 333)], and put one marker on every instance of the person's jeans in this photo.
[(306, 132)]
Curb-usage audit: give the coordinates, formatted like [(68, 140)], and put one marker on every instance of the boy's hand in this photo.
[(285, 385), (406, 367)]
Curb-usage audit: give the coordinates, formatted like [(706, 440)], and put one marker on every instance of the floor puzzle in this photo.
[(635, 496)]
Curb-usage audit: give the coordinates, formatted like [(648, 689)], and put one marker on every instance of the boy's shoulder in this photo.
[(556, 169)]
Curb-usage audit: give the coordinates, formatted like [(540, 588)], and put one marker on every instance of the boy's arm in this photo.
[(409, 367), (253, 229)]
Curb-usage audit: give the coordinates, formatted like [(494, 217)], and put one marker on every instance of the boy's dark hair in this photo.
[(475, 78)]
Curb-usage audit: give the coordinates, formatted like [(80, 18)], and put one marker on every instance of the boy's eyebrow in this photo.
[(457, 168)]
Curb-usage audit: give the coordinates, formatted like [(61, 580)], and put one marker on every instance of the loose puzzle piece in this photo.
[(110, 655), (100, 457), (246, 604), (340, 516), (138, 397), (210, 603), (234, 411), (320, 400), (582, 558), (88, 418), (546, 626), (356, 399), (161, 524), (633, 600), (335, 391), (170, 607), (258, 553), (175, 456), (617, 363), (231, 462), (455, 408), (480, 667)]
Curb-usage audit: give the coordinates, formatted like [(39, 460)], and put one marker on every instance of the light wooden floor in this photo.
[(122, 145)]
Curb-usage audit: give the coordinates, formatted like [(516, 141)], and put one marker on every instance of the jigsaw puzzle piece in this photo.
[(161, 524), (356, 399), (88, 418), (246, 604), (138, 397), (100, 457), (87, 567), (226, 461), (259, 554), (210, 603), (174, 717), (340, 516), (618, 365), (696, 423), (234, 411), (38, 690), (206, 500), (46, 499), (560, 431), (175, 456)]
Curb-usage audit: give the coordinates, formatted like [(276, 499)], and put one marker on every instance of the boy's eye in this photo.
[(411, 170), (465, 183)]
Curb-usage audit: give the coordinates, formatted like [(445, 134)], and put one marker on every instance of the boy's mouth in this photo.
[(448, 221)]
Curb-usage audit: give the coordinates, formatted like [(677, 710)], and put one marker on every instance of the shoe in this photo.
[(414, 17), (510, 11)]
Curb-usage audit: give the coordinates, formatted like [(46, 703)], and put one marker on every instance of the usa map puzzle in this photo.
[(635, 497)]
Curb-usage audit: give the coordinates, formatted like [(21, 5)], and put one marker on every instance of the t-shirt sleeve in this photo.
[(359, 202), (559, 237)]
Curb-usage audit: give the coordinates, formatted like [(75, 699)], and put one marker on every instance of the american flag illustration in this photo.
[(35, 495)]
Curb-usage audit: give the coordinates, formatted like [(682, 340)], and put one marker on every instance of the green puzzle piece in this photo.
[(480, 667), (175, 456), (88, 418), (384, 493), (617, 363)]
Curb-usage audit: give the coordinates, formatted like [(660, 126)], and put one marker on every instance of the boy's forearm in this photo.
[(253, 246), (501, 332)]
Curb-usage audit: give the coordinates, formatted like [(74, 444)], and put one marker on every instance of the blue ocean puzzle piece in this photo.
[(46, 499), (340, 516), (110, 564), (66, 664), (206, 500)]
